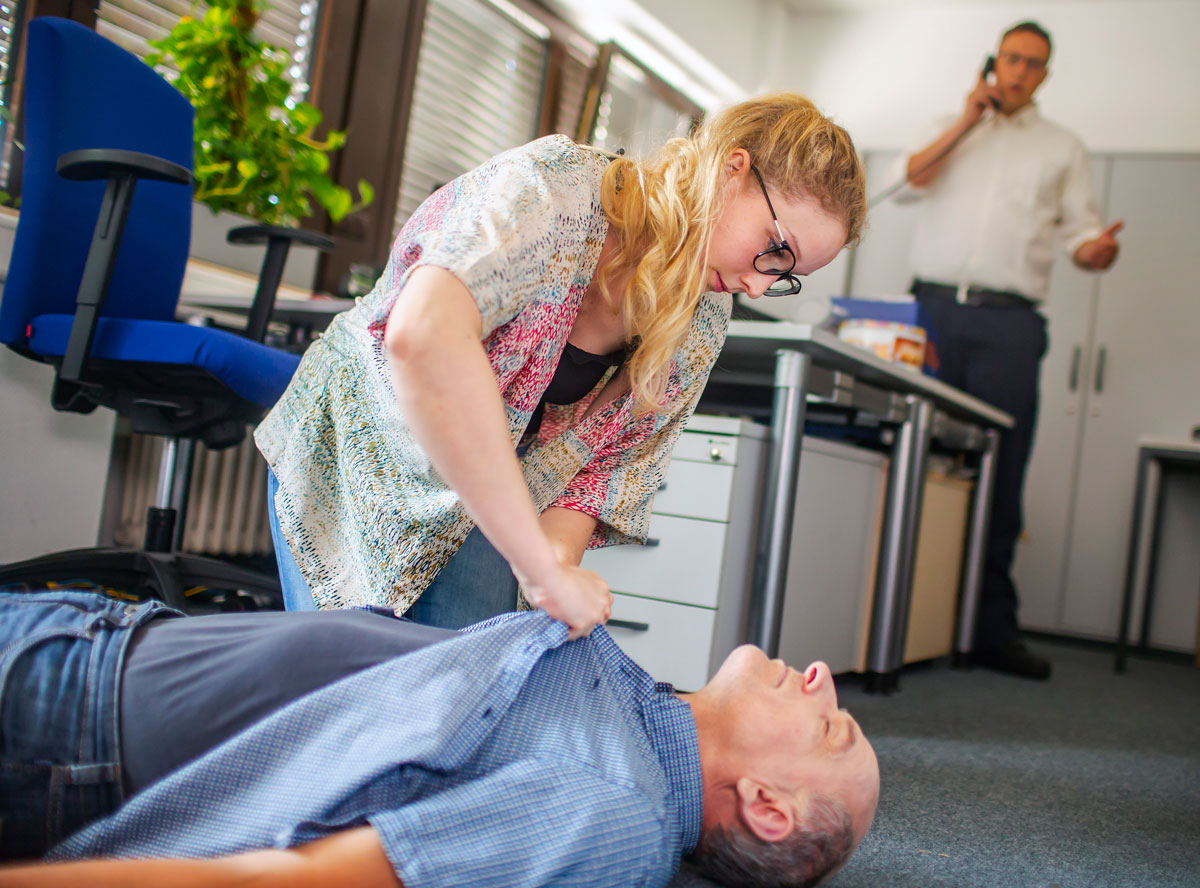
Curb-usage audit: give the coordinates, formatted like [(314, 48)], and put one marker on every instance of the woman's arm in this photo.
[(350, 859), (568, 532), (446, 388)]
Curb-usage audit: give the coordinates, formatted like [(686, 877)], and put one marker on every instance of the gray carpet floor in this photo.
[(1090, 779)]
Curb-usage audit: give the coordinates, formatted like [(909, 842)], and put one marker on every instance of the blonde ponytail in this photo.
[(664, 209)]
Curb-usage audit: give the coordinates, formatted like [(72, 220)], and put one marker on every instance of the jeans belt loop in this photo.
[(961, 296)]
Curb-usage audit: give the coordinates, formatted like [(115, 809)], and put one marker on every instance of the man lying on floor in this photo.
[(349, 748)]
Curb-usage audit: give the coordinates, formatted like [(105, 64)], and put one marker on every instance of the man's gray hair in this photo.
[(820, 844)]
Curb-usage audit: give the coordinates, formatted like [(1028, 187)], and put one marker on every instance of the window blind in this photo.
[(573, 82), (477, 92), (633, 116), (290, 24)]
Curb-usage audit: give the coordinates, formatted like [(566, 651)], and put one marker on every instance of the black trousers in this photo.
[(994, 354)]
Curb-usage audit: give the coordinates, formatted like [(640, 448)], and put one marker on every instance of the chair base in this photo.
[(162, 575)]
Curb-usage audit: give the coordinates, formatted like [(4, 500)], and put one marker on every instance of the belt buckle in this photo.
[(963, 293)]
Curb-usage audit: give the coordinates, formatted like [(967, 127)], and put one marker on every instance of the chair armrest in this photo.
[(122, 169), (104, 163), (278, 239), (253, 235)]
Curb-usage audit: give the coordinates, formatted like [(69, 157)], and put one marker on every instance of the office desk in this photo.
[(1154, 457), (804, 363), (799, 362)]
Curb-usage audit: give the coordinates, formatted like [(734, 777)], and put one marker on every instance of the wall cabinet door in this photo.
[(1144, 377), (1051, 480)]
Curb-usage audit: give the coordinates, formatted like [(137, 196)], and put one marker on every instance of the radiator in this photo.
[(227, 498)]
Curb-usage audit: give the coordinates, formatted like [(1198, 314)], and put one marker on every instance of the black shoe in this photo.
[(1014, 659)]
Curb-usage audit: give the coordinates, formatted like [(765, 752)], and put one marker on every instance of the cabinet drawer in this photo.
[(685, 566), (696, 490), (670, 641), (699, 447)]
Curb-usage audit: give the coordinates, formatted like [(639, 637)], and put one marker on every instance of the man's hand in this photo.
[(982, 98), (575, 595), (1099, 254), (927, 164)]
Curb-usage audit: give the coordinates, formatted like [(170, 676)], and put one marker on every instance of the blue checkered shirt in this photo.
[(502, 757)]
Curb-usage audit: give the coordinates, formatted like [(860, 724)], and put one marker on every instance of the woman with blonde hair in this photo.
[(509, 393)]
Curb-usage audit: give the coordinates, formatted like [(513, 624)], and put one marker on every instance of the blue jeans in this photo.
[(60, 664), (296, 594), (475, 584)]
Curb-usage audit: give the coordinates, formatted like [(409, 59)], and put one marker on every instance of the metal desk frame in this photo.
[(918, 404), (1153, 457)]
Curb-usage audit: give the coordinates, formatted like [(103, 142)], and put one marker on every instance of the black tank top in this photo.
[(577, 373)]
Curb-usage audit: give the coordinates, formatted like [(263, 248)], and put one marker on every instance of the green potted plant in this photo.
[(256, 154)]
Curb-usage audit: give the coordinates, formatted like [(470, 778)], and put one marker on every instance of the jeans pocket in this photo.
[(30, 808)]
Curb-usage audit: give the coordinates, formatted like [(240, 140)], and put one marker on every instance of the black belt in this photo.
[(977, 296)]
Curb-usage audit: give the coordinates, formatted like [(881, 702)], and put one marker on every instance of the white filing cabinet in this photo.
[(679, 603)]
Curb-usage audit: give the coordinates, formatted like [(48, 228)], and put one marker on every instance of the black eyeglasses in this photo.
[(778, 259), (1015, 58)]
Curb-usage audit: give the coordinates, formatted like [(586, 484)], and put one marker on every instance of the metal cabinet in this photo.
[(1123, 364), (679, 603)]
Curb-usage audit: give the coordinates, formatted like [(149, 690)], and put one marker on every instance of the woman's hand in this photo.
[(575, 595)]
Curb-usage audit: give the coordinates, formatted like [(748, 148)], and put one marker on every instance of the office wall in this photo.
[(742, 38), (1123, 75)]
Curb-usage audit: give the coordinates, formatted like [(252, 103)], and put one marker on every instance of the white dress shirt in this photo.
[(1012, 189)]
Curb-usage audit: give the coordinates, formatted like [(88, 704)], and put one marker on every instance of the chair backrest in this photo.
[(83, 91)]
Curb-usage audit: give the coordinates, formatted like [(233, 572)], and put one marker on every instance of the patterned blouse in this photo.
[(368, 519)]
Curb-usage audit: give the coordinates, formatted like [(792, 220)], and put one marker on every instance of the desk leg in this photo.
[(1149, 559), (981, 511), (779, 497), (897, 548), (1141, 532)]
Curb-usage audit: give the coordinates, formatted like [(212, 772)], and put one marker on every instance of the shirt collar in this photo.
[(1027, 116), (672, 731), (672, 728)]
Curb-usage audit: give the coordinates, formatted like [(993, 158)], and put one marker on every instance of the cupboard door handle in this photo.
[(628, 624), (1101, 359), (1073, 379)]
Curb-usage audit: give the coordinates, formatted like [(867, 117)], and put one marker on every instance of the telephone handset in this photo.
[(988, 67)]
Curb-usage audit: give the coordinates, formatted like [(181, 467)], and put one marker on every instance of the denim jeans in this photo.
[(296, 594), (60, 665), (475, 584)]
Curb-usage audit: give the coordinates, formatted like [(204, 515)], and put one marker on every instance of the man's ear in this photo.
[(768, 813)]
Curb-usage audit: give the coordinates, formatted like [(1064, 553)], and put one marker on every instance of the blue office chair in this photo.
[(94, 280)]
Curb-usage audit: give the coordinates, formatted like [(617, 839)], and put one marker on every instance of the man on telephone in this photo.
[(1000, 187)]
